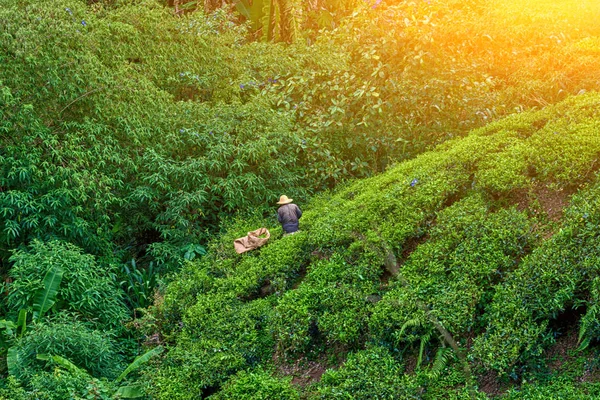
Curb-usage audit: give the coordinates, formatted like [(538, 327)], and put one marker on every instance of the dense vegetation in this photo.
[(478, 246), (138, 138)]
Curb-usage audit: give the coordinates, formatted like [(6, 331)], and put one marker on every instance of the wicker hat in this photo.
[(284, 200)]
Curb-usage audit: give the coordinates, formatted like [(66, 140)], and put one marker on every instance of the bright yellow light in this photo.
[(582, 14)]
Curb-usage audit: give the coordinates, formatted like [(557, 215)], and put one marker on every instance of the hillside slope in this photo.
[(494, 237)]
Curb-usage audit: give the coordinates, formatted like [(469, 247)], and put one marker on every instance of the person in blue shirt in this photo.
[(288, 214)]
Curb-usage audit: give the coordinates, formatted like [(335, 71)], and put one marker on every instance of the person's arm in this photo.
[(279, 217), (298, 212)]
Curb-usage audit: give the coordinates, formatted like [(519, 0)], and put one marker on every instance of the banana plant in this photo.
[(264, 16), (287, 21), (9, 331), (261, 14), (46, 297), (253, 11), (42, 302)]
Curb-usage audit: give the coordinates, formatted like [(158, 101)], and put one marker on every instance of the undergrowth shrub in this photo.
[(58, 385), (11, 390), (87, 288), (66, 336)]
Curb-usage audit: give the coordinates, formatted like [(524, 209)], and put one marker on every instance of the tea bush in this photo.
[(547, 283), (327, 312), (257, 385), (219, 336), (558, 389), (368, 374), (468, 251)]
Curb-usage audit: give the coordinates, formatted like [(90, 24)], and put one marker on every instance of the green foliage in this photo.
[(369, 374), (547, 283), (65, 336), (590, 322), (87, 288), (101, 389), (560, 388), (257, 385), (67, 380), (409, 74), (137, 161), (64, 385), (128, 133), (219, 336), (152, 151), (442, 359), (13, 361), (11, 390), (329, 308), (473, 242), (467, 252), (139, 361), (44, 190), (139, 283), (46, 297)]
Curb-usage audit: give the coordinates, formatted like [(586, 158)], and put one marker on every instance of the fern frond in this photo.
[(424, 340), (442, 357), (584, 339), (411, 323)]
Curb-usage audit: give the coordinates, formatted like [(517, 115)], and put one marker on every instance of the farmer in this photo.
[(288, 214)]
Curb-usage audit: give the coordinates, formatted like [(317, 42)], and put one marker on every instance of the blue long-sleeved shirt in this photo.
[(288, 215)]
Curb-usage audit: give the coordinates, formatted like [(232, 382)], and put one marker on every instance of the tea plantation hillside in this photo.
[(469, 271), (139, 138)]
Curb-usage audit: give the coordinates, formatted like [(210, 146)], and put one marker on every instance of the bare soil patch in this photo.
[(490, 384), (562, 351), (591, 374), (304, 372), (542, 199)]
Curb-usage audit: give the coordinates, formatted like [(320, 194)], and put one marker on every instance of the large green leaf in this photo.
[(45, 298), (22, 321), (256, 13), (63, 362), (12, 360), (139, 361), (130, 392), (252, 12), (243, 8)]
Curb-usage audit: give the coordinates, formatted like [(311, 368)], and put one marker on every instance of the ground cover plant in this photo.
[(138, 138)]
